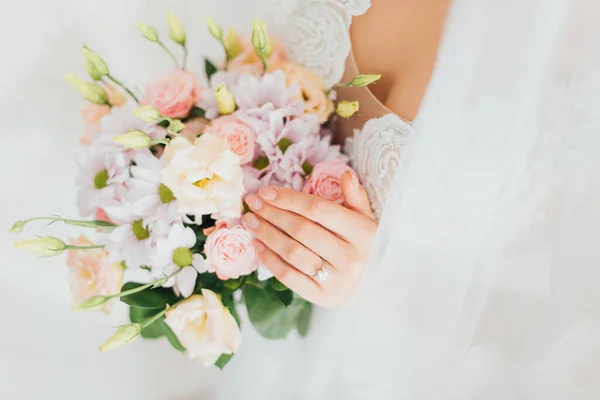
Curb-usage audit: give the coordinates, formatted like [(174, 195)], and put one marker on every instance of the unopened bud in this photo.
[(215, 29), (148, 113), (175, 126), (124, 335), (225, 100), (148, 32), (90, 91), (94, 303), (176, 28), (346, 109), (96, 61), (362, 80), (135, 139), (260, 39), (92, 71), (232, 44), (46, 246), (18, 227)]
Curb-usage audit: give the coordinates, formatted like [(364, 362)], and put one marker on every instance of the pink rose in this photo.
[(91, 273), (173, 94), (239, 135), (230, 251), (324, 180)]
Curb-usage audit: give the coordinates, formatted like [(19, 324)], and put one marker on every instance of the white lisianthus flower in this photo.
[(152, 200), (173, 253), (205, 177), (100, 179)]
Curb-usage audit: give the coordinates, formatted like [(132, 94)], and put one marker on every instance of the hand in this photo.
[(298, 233)]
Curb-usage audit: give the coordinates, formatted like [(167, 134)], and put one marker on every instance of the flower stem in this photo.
[(81, 223), (122, 86), (159, 315), (170, 53), (70, 247), (185, 56), (141, 288)]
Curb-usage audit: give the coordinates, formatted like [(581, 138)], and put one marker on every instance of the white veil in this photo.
[(484, 281)]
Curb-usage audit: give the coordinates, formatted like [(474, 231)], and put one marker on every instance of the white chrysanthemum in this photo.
[(205, 177), (148, 197), (100, 179), (173, 253)]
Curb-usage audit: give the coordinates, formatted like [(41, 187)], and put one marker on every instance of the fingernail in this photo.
[(267, 193), (250, 221), (354, 178), (258, 246), (254, 202)]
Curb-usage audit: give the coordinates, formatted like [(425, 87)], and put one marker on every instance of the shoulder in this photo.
[(315, 33)]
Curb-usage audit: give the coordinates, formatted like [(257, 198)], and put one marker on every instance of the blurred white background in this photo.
[(46, 351)]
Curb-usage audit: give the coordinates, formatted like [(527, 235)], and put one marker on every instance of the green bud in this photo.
[(18, 227), (183, 257), (46, 246), (176, 28), (260, 39), (346, 109), (148, 32), (148, 113), (96, 61), (90, 91), (135, 139), (362, 80), (94, 303), (101, 179), (232, 44), (139, 230), (124, 335), (165, 194), (92, 71), (225, 101), (176, 126), (283, 144), (215, 29)]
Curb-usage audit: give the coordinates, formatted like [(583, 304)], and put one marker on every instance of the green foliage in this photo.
[(156, 329), (223, 360), (149, 298), (209, 68)]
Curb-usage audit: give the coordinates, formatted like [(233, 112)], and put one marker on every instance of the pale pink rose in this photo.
[(91, 273), (92, 114), (173, 94), (116, 98), (204, 327), (247, 62), (240, 136), (230, 252), (314, 95), (324, 180), (194, 128)]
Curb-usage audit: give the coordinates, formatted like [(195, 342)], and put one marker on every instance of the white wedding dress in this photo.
[(484, 280)]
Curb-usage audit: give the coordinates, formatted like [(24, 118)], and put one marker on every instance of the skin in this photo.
[(297, 232)]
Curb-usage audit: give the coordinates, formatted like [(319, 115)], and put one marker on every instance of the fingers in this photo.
[(355, 196), (313, 236), (300, 283), (289, 249), (338, 219)]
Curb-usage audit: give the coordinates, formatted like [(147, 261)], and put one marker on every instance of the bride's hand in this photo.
[(297, 233)]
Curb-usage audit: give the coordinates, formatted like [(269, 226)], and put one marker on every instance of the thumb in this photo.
[(355, 196)]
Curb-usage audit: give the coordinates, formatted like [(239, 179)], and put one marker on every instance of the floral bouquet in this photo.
[(162, 177)]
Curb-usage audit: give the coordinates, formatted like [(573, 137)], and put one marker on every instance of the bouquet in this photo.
[(161, 180)]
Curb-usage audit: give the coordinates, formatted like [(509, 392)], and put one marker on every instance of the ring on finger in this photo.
[(322, 274)]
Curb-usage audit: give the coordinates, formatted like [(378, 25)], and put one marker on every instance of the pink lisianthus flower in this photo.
[(229, 250), (91, 273), (324, 180), (239, 135), (173, 94)]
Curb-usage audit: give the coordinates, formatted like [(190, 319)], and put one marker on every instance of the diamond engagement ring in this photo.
[(322, 273)]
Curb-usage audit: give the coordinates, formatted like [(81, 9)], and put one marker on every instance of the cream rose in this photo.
[(240, 136), (324, 180), (230, 252), (205, 177), (91, 273), (204, 327), (313, 91), (173, 94)]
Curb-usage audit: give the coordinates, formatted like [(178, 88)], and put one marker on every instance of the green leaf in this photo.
[(285, 296), (196, 112), (271, 318), (223, 360), (149, 298), (173, 339), (209, 68), (303, 321), (276, 285), (155, 330)]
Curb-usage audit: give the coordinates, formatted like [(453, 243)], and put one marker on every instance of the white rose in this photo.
[(205, 177), (204, 327)]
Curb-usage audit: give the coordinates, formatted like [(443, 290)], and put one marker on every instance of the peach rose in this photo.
[(173, 94), (91, 273), (92, 114), (324, 180), (116, 98), (248, 62), (194, 128), (240, 136), (204, 327), (230, 252), (313, 90)]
